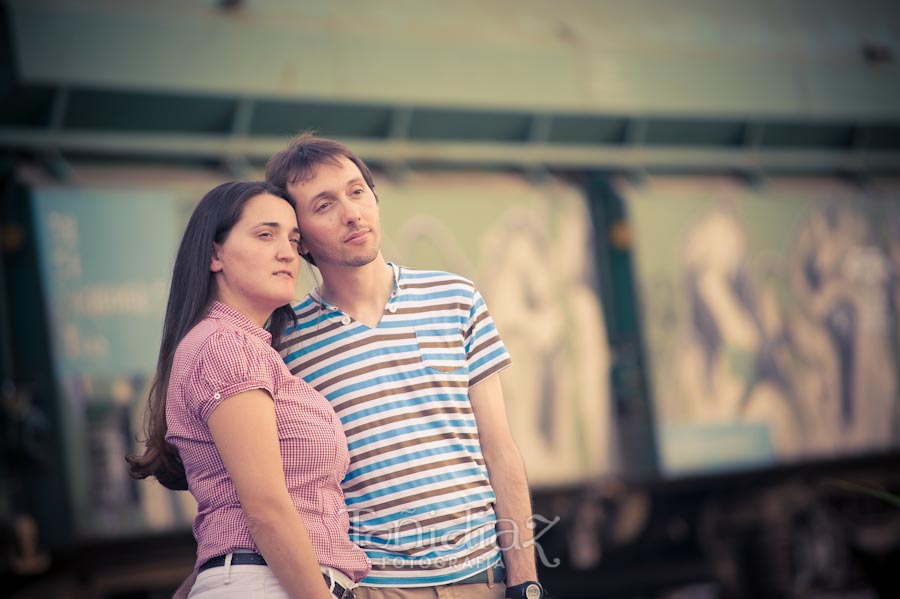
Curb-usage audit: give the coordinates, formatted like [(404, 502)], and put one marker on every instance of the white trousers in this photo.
[(247, 582)]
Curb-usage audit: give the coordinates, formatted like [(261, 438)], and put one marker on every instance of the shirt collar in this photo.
[(395, 269), (228, 314)]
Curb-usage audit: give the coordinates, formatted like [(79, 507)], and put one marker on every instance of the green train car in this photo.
[(705, 370), (685, 218)]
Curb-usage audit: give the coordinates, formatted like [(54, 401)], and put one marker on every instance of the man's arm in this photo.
[(507, 473)]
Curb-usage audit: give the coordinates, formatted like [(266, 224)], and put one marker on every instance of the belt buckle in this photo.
[(345, 593), (334, 585)]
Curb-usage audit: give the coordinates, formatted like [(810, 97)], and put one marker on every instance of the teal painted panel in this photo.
[(165, 47), (105, 258), (841, 90), (462, 73), (710, 58), (679, 84), (692, 448)]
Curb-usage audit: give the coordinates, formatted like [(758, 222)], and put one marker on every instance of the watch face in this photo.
[(533, 591)]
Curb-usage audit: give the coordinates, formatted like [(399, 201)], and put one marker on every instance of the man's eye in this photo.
[(322, 206)]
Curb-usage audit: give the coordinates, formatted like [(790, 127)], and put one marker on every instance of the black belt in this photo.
[(255, 559), (237, 559)]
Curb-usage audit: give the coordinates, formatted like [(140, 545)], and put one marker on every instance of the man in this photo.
[(409, 360)]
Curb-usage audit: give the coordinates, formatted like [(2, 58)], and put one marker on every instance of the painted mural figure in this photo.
[(734, 366), (546, 306), (841, 281), (821, 372), (535, 258)]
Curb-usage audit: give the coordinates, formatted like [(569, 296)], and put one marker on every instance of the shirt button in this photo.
[(345, 320), (392, 309), (217, 396)]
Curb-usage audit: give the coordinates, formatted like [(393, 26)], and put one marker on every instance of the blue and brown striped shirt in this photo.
[(420, 501)]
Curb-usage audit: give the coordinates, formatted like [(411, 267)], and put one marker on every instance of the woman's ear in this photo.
[(215, 263)]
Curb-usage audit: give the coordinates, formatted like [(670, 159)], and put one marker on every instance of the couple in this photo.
[(372, 408)]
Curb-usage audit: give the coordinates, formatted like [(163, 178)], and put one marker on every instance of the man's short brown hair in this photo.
[(306, 151)]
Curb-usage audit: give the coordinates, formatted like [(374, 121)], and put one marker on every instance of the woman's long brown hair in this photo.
[(189, 298)]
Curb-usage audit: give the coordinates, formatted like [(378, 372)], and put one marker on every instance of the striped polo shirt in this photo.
[(420, 502)]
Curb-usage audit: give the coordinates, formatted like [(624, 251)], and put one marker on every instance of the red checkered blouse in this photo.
[(227, 354)]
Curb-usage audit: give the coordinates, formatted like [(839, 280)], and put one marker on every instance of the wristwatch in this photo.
[(530, 589)]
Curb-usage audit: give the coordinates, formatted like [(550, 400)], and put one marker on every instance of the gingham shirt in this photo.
[(227, 354)]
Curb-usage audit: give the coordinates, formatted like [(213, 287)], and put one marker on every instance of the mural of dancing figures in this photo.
[(768, 320), (528, 246)]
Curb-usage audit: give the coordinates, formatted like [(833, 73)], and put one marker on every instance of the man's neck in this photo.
[(360, 291)]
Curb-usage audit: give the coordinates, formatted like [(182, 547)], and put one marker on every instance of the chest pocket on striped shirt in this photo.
[(441, 353)]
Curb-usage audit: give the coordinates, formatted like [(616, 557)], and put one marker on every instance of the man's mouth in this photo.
[(359, 234)]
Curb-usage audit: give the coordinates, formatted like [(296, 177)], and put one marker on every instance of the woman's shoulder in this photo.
[(207, 332), (214, 339)]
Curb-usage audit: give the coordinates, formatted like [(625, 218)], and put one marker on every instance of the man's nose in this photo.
[(351, 212)]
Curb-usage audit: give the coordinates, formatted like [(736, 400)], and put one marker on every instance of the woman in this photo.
[(261, 451)]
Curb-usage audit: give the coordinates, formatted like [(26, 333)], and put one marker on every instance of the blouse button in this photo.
[(217, 396), (345, 320), (392, 309)]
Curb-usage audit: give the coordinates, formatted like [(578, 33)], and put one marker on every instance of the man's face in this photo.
[(338, 216)]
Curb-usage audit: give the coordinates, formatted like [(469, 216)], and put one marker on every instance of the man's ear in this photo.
[(304, 252), (301, 247), (215, 264)]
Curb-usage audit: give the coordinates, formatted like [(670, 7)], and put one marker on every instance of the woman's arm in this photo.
[(184, 589), (244, 430)]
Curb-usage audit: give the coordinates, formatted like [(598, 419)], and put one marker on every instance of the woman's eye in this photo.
[(296, 241)]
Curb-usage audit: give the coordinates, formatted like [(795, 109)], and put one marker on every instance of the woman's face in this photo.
[(256, 267)]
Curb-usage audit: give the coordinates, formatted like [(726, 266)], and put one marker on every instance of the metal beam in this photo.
[(525, 155)]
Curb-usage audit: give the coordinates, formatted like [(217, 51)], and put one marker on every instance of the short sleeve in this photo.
[(229, 363), (485, 351)]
